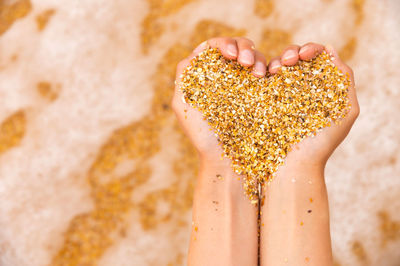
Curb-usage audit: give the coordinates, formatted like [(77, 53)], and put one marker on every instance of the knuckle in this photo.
[(245, 40), (227, 39), (316, 45), (249, 41), (216, 41), (295, 46)]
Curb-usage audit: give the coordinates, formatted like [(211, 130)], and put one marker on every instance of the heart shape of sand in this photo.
[(258, 120)]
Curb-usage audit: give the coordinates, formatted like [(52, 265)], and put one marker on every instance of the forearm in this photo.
[(224, 230), (295, 218)]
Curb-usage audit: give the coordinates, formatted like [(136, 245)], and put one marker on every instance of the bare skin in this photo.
[(224, 230), (295, 216)]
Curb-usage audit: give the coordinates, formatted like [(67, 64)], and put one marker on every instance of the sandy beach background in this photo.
[(94, 169)]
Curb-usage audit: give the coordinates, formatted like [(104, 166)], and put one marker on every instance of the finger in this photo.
[(178, 104), (179, 69), (186, 62), (290, 55), (260, 68), (339, 63), (355, 108), (227, 46), (274, 65), (246, 55), (200, 48), (310, 50)]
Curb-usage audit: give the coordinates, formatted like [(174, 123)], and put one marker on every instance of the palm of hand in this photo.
[(314, 150)]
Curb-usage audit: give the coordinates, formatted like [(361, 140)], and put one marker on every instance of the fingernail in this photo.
[(259, 69), (231, 50), (246, 57), (275, 64), (289, 54), (303, 49)]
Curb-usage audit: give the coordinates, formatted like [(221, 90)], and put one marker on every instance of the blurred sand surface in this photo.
[(94, 169)]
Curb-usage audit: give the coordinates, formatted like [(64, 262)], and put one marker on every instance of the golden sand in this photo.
[(258, 120)]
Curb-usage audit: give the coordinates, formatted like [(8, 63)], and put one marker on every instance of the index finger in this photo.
[(355, 108), (339, 63), (186, 61)]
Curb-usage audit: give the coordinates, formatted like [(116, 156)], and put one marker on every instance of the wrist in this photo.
[(217, 176), (303, 166), (295, 169), (293, 162), (219, 164)]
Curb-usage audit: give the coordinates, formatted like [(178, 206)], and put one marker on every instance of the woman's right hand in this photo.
[(196, 128)]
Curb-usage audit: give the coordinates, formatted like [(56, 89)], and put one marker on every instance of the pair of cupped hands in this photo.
[(312, 151)]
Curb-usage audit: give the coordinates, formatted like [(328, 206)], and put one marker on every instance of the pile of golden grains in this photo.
[(257, 120)]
